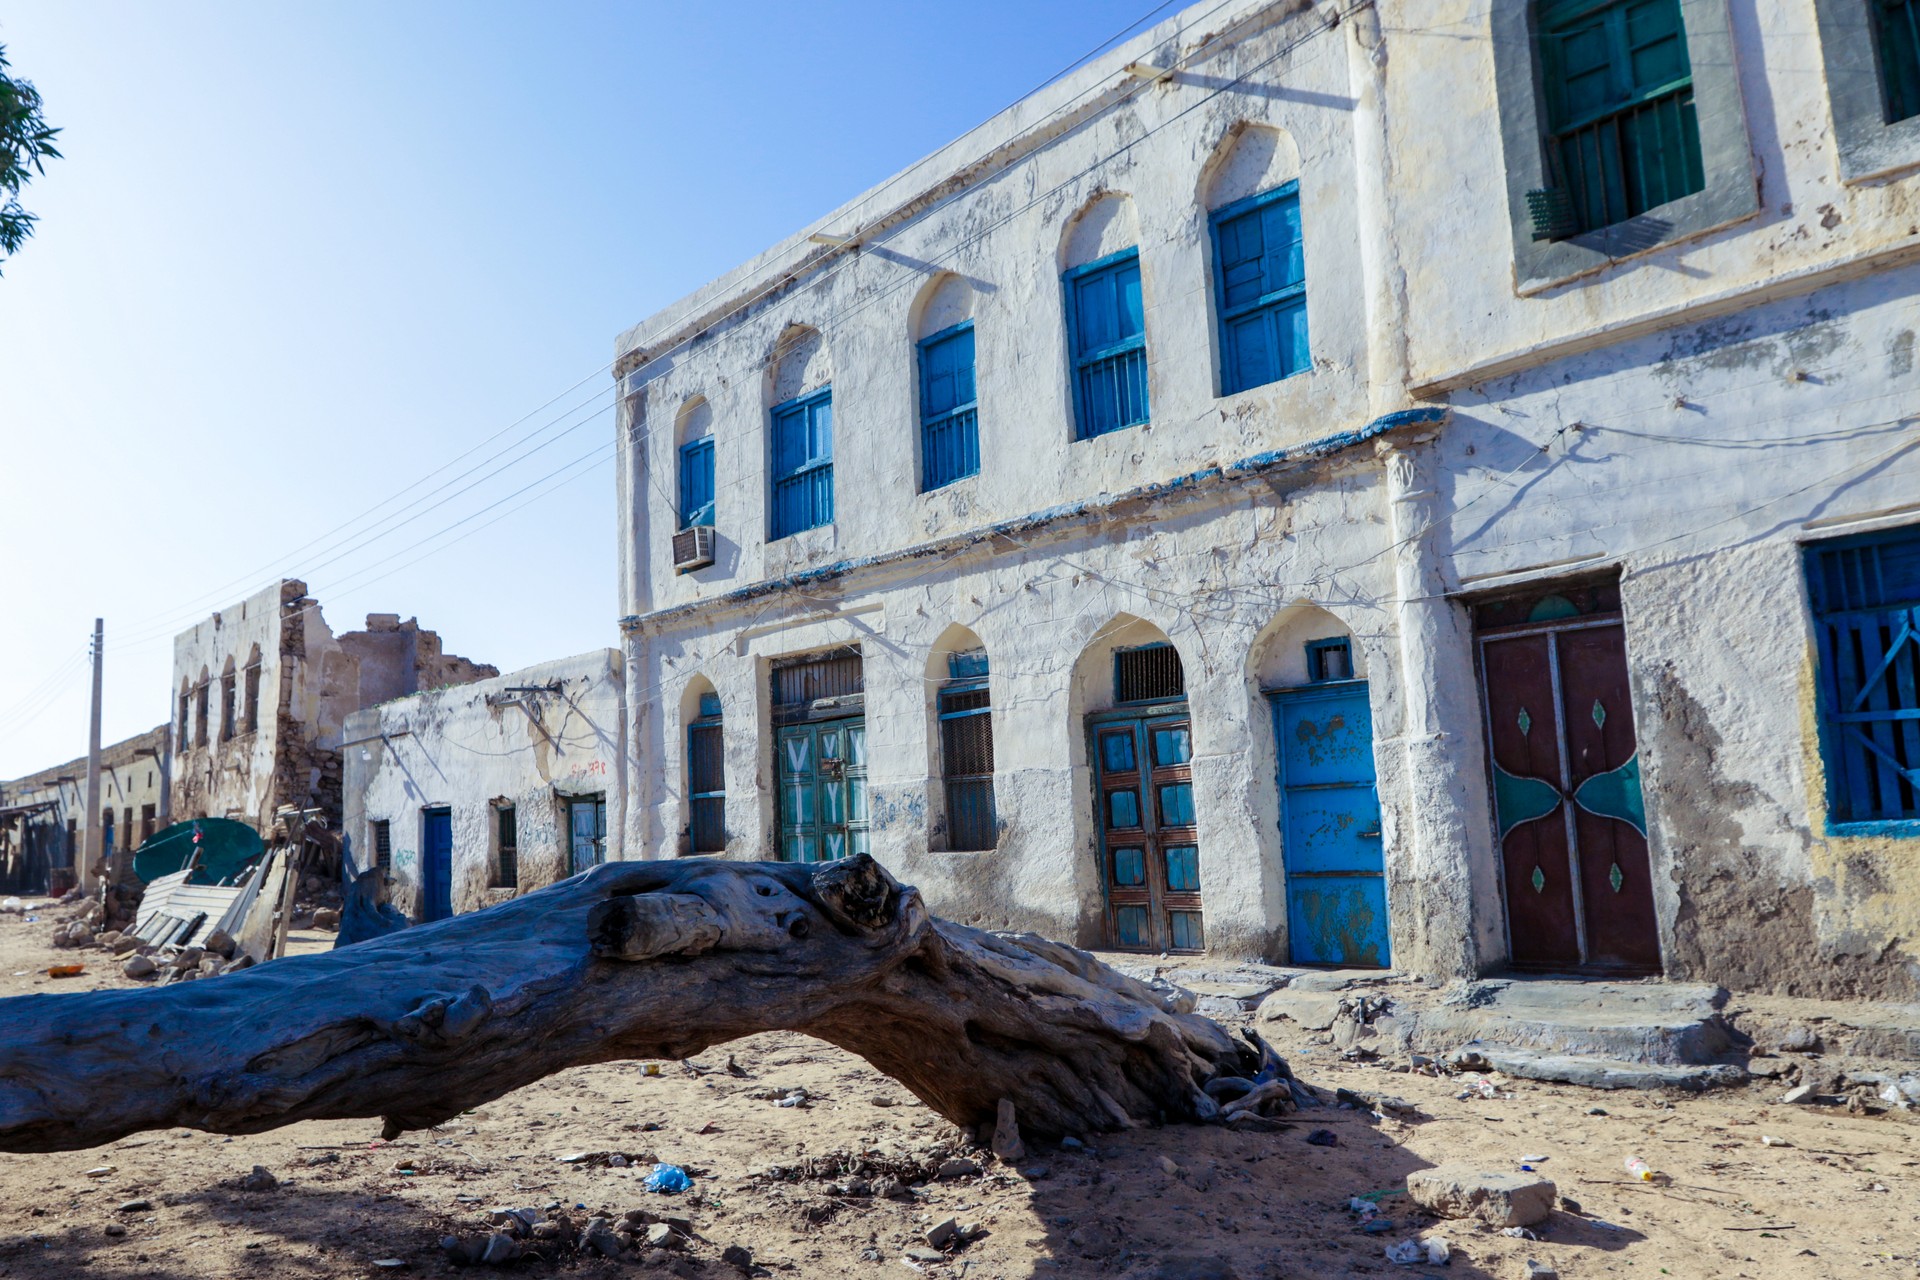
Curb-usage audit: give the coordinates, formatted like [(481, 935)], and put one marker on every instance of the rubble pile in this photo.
[(557, 1237), (318, 903), (142, 960)]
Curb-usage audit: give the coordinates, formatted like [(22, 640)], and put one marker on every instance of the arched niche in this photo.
[(799, 365), (697, 688), (693, 420), (1105, 225), (1282, 654), (943, 302), (1248, 160), (1093, 672)]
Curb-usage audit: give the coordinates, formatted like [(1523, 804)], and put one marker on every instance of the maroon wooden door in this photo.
[(1566, 775)]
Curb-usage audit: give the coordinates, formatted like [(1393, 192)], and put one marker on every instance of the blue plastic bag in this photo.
[(668, 1179)]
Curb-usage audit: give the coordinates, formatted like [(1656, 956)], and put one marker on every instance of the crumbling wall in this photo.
[(534, 739)]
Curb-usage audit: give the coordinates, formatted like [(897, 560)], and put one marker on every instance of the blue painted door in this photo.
[(1330, 826), (436, 865), (823, 790)]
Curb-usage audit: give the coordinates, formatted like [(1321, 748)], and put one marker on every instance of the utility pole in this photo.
[(92, 844)]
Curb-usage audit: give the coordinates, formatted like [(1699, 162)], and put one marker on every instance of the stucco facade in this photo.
[(513, 767), (1632, 440), (40, 838), (261, 690)]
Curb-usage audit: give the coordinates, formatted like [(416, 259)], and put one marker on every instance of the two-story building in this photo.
[(1352, 483)]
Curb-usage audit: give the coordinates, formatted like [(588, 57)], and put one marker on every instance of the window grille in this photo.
[(1866, 602), (803, 464), (1261, 281), (227, 707), (706, 781), (1106, 322), (1329, 660), (382, 845), (833, 675), (966, 751), (1622, 137), (949, 416), (1150, 673)]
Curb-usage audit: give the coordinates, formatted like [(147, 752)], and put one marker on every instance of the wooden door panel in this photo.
[(1524, 739)]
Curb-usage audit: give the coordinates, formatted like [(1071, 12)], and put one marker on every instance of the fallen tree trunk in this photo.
[(630, 960)]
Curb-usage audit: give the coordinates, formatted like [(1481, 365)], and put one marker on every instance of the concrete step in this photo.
[(1678, 1024), (1605, 1073)]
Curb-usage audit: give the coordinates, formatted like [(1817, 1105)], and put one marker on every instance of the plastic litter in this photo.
[(1534, 1159), (1768, 1140), (12, 906), (1640, 1169), (1903, 1093), (1479, 1088), (668, 1179), (1433, 1251), (1365, 1208), (1519, 1233), (66, 970)]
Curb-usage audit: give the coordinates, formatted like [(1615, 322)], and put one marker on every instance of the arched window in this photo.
[(694, 429), (800, 395), (229, 702), (706, 769), (949, 412), (1259, 268), (253, 690), (1106, 318), (964, 707)]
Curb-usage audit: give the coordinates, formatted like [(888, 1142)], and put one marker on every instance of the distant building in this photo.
[(262, 689), (470, 795), (42, 816)]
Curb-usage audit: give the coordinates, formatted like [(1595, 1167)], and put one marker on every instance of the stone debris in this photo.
[(136, 1206), (259, 1180), (1497, 1198), (1798, 1094), (1007, 1146)]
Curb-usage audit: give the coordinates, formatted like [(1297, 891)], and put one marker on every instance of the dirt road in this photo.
[(1840, 1200)]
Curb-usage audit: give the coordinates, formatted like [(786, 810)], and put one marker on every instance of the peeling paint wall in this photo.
[(534, 739), (1685, 415)]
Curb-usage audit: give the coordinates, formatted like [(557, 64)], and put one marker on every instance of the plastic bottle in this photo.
[(1640, 1169)]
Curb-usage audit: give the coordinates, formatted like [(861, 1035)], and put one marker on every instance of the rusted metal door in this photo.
[(1330, 826), (1149, 843), (1566, 782)]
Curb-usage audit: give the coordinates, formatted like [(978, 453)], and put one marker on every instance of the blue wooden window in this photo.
[(1330, 659), (1107, 328), (966, 748), (706, 779), (1865, 593), (696, 482), (1896, 31), (803, 463), (1260, 279), (1621, 133), (949, 416)]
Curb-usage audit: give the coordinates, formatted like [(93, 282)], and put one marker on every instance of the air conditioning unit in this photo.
[(693, 548)]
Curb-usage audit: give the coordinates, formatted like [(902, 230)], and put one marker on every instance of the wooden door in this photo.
[(823, 790), (1150, 846), (1567, 801), (1330, 827)]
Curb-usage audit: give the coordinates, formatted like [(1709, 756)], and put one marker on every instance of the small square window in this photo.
[(1329, 660)]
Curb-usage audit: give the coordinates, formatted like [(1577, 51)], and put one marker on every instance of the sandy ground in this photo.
[(1183, 1203)]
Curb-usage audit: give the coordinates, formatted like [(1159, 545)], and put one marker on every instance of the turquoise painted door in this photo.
[(1150, 843), (823, 790), (1330, 827)]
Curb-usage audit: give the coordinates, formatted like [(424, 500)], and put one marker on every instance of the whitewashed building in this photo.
[(1417, 484), (470, 795)]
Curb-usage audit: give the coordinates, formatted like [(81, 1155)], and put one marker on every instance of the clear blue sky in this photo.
[(298, 257)]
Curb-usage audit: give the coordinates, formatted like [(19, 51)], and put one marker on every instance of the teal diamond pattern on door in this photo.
[(1616, 794), (1517, 799)]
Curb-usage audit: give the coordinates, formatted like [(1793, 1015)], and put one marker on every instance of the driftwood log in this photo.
[(631, 960)]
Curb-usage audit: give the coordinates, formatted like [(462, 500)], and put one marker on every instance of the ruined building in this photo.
[(261, 691), (43, 815), (1317, 484)]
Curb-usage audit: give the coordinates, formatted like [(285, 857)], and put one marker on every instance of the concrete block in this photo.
[(1499, 1199)]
